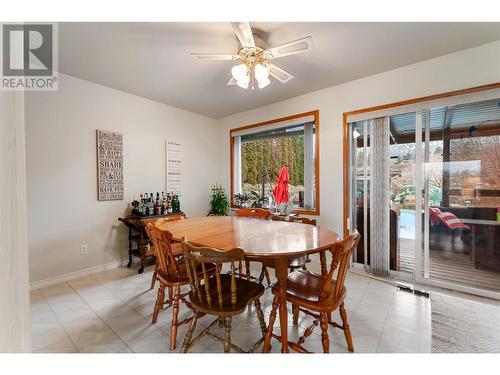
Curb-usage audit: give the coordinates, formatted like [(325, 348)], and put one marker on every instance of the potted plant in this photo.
[(219, 202), (241, 199), (259, 200)]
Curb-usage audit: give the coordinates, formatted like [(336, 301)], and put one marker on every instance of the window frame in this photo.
[(315, 114)]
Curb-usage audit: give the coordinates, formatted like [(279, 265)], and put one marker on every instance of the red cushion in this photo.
[(451, 221)]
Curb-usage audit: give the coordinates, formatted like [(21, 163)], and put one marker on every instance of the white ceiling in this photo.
[(153, 60)]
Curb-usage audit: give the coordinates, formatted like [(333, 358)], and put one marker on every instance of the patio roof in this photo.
[(484, 116)]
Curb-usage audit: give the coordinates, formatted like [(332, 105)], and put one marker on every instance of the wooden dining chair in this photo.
[(318, 296), (221, 294), (303, 220), (302, 260), (171, 274), (176, 248), (258, 213)]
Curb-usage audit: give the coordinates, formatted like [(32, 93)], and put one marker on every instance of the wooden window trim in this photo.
[(315, 113), (386, 106)]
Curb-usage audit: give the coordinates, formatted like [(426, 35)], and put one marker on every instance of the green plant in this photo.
[(219, 202), (258, 200), (241, 198)]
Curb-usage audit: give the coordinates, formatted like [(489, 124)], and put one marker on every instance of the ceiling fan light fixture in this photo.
[(243, 82), (263, 83), (261, 72), (261, 75), (239, 72), (254, 66)]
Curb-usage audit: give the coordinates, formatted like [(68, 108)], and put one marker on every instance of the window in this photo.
[(259, 151)]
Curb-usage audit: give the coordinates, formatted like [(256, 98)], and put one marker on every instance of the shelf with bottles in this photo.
[(149, 206)]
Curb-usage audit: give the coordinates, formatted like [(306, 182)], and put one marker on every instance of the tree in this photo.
[(273, 153)]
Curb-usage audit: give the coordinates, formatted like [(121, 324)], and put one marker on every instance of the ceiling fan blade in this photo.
[(211, 56), (244, 33), (231, 82), (291, 48), (281, 75)]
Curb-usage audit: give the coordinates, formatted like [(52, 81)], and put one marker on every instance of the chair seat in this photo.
[(304, 287), (247, 291)]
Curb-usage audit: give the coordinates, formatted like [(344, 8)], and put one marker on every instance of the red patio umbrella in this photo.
[(280, 191)]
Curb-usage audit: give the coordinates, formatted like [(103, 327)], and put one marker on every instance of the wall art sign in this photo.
[(174, 167), (109, 165)]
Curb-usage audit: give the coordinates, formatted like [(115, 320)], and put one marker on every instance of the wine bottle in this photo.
[(176, 204)]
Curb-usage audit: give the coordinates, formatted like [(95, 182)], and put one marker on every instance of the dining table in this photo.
[(273, 243)]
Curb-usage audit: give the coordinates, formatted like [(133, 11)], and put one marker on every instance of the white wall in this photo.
[(63, 211), (464, 69), (14, 289)]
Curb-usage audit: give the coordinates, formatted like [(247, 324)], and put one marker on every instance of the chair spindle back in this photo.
[(194, 256), (294, 219), (259, 213), (162, 240), (341, 252), (303, 220)]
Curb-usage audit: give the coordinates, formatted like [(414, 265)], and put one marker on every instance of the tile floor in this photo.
[(111, 312)]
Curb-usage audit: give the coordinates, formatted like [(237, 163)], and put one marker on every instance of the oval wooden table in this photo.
[(266, 241)]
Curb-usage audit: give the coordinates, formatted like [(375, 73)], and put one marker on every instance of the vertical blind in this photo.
[(379, 197)]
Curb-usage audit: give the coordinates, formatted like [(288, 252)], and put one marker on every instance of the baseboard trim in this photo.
[(74, 275)]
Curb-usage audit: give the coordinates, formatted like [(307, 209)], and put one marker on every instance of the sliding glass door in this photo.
[(425, 194), (462, 189)]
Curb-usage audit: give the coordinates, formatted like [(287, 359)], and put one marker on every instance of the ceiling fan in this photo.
[(255, 66)]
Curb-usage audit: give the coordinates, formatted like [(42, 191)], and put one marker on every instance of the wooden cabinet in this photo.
[(139, 244)]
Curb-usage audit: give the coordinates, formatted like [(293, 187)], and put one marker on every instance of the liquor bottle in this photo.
[(157, 204), (169, 204), (151, 205), (142, 206), (176, 204), (162, 203)]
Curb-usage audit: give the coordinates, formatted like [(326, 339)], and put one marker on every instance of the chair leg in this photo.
[(268, 278), (295, 310), (324, 332), (269, 333), (262, 275), (155, 272), (227, 338), (189, 334), (175, 313), (345, 326), (260, 315), (160, 298), (247, 271), (170, 294)]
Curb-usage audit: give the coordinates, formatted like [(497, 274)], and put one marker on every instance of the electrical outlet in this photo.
[(84, 249)]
